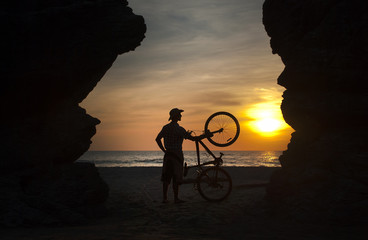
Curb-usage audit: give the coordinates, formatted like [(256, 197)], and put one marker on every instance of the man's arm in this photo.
[(198, 138), (159, 143)]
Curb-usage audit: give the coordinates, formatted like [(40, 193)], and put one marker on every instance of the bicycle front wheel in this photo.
[(214, 184), (227, 127)]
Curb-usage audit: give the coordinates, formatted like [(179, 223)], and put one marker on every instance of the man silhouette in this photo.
[(173, 136)]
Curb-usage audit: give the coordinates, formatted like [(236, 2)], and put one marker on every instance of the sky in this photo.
[(201, 56)]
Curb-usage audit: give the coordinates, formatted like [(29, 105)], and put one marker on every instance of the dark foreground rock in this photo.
[(53, 53), (324, 46), (66, 194)]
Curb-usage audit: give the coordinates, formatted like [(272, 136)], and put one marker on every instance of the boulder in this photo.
[(324, 46), (53, 53)]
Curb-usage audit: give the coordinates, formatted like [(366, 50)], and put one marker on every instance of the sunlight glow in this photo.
[(266, 119)]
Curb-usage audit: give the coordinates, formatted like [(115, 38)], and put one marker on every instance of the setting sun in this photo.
[(268, 125), (266, 119)]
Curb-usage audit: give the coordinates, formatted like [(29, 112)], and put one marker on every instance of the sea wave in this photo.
[(154, 158)]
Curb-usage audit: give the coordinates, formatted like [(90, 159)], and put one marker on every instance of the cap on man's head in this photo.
[(175, 112)]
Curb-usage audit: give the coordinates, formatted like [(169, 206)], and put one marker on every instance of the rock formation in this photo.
[(53, 53), (324, 46)]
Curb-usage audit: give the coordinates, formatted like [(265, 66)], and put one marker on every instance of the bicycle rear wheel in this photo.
[(214, 184), (229, 125)]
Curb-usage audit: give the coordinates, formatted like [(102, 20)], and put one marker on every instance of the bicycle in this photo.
[(214, 183)]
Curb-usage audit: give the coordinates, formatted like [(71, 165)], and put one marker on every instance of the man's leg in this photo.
[(166, 179), (176, 192), (165, 188)]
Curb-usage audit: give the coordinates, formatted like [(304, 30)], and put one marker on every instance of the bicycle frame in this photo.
[(217, 160), (213, 183)]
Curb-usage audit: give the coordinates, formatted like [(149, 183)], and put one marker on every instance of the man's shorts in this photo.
[(173, 167)]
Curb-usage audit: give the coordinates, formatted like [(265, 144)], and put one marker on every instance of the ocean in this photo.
[(154, 158)]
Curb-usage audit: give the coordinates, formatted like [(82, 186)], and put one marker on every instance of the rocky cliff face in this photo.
[(324, 46), (53, 53)]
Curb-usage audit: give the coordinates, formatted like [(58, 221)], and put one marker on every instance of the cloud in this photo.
[(194, 35), (203, 56)]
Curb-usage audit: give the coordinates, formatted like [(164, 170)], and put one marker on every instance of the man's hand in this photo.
[(189, 132)]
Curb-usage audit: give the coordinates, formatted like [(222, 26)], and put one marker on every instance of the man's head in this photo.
[(175, 114)]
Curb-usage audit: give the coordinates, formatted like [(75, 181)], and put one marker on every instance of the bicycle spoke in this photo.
[(228, 124), (214, 184)]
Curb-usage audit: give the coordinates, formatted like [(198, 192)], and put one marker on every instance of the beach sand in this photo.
[(135, 211)]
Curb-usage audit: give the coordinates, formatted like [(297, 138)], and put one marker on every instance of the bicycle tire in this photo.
[(228, 123), (214, 184)]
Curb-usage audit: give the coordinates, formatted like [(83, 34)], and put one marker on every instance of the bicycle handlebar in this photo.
[(205, 135)]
